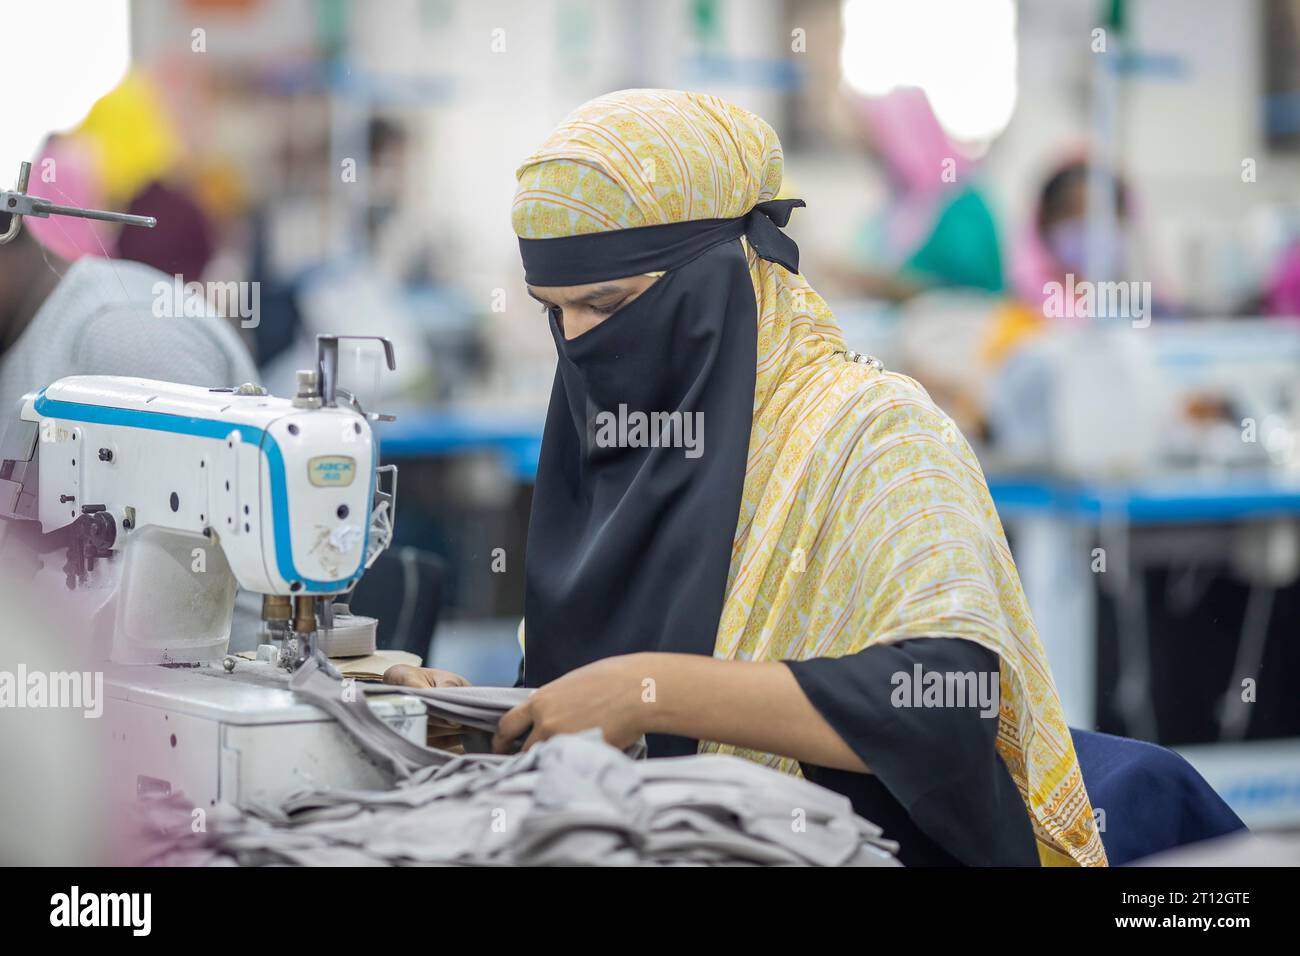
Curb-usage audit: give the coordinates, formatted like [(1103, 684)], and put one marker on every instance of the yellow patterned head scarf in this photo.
[(865, 517)]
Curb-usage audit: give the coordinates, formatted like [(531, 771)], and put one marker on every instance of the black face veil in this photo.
[(643, 458)]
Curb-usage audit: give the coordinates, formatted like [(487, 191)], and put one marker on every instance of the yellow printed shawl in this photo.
[(865, 516)]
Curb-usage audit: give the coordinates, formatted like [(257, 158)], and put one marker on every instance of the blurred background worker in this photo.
[(66, 307), (97, 316), (1056, 240), (938, 217), (1076, 224)]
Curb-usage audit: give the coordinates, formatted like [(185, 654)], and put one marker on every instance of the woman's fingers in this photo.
[(512, 726), (445, 741), (406, 675), (536, 737), (448, 679)]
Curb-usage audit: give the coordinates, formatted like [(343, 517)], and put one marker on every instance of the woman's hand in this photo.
[(408, 675), (757, 705), (442, 734), (607, 694)]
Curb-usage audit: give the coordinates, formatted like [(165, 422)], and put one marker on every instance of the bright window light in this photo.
[(962, 53), (62, 56)]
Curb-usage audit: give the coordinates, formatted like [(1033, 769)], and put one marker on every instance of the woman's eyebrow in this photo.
[(600, 293)]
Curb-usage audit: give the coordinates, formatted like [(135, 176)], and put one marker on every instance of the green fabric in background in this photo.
[(962, 249)]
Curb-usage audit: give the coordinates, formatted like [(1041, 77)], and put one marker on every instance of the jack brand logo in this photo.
[(624, 429)]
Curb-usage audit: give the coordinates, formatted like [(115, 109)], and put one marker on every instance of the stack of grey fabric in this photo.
[(570, 800)]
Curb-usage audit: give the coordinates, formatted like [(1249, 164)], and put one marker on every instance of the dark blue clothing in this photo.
[(1150, 798)]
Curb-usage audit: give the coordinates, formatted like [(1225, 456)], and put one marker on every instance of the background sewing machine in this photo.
[(151, 503), (1160, 525)]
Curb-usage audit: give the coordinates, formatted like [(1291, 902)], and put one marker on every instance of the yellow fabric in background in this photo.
[(865, 517), (1013, 325), (133, 138)]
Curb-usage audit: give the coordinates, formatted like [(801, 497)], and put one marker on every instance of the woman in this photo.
[(782, 582), (938, 226)]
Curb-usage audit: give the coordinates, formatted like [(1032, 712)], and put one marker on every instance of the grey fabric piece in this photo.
[(478, 707), (571, 800), (350, 709)]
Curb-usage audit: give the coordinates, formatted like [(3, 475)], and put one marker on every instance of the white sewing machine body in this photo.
[(200, 485), (238, 737), (165, 499)]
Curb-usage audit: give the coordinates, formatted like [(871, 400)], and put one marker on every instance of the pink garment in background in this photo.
[(1032, 265), (64, 171), (1284, 287), (915, 148)]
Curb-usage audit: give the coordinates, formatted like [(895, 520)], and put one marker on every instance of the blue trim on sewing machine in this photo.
[(218, 430)]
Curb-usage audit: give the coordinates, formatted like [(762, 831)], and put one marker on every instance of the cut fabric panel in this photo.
[(864, 516)]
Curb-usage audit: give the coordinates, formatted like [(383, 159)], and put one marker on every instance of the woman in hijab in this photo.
[(746, 538)]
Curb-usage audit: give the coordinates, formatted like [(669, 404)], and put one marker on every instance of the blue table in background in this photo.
[(444, 432), (1156, 501)]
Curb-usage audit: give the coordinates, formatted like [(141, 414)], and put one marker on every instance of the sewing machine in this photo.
[(162, 500)]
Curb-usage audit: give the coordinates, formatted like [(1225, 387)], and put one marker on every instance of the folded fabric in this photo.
[(342, 702), (477, 707), (569, 800)]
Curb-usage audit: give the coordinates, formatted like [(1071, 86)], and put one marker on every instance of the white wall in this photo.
[(503, 104)]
